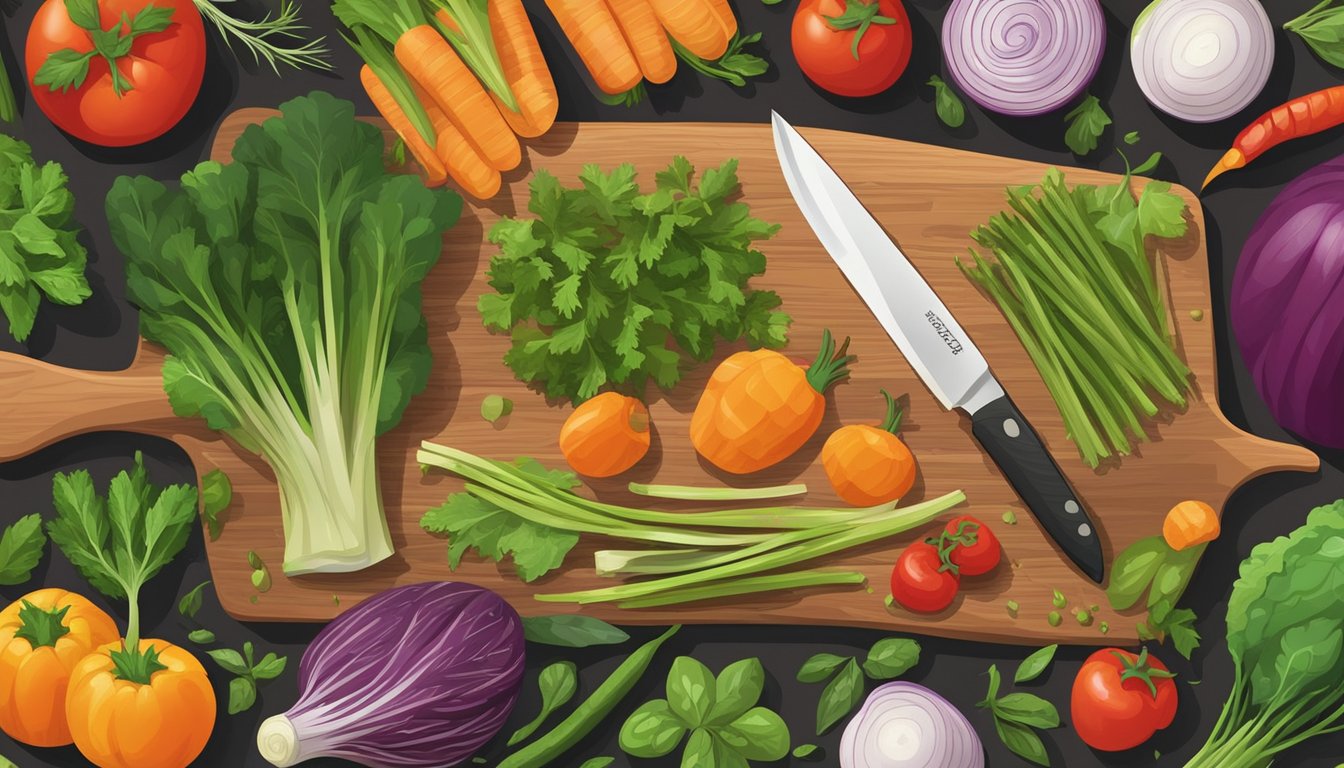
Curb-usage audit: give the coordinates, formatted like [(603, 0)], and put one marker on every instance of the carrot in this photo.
[(694, 24), (524, 68), (383, 101), (1303, 116), (605, 435), (870, 465), (1190, 523), (759, 406), (596, 36), (472, 173), (646, 37), (724, 13)]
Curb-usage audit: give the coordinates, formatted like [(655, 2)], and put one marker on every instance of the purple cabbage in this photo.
[(1288, 305), (421, 675)]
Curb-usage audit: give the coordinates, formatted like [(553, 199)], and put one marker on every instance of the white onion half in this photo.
[(904, 725), (1202, 60), (1023, 57)]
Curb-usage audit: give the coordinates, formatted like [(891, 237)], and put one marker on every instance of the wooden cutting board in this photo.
[(928, 197)]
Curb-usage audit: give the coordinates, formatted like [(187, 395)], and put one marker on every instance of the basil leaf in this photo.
[(690, 690), (1022, 741), (736, 690), (1173, 575), (201, 636), (820, 667), (571, 631), (803, 751), (947, 104), (993, 692), (191, 602), (1132, 138), (891, 657), (270, 667), (242, 694), (1132, 572), (699, 750), (759, 734), (840, 696), (230, 660), (1035, 664), (653, 730), (1027, 709), (558, 683)]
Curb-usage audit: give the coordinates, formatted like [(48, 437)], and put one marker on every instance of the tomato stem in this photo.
[(1140, 669), (861, 15)]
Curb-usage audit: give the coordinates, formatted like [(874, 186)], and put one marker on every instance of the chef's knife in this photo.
[(935, 345)]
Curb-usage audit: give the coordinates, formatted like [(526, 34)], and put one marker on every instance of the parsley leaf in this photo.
[(1087, 122), (40, 254), (607, 287), (1161, 211), (21, 549)]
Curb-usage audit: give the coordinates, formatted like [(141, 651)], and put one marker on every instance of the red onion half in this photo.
[(1202, 60), (904, 725), (1023, 57)]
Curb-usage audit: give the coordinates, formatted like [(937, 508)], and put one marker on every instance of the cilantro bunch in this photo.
[(605, 287), (39, 253)]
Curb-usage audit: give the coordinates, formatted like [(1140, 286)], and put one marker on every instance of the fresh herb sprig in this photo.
[(720, 714), (277, 38), (1322, 29), (734, 67), (888, 658), (1016, 718), (1151, 566), (248, 672), (21, 549)]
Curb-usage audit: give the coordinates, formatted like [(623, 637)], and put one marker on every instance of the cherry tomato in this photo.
[(921, 581), (977, 548), (827, 53), (160, 73), (1120, 700)]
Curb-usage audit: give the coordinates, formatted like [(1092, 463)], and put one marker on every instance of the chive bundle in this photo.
[(1070, 272)]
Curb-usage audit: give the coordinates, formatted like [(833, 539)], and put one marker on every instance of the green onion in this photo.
[(746, 586), (693, 493)]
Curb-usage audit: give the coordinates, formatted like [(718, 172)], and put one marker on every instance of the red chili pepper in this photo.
[(1300, 117)]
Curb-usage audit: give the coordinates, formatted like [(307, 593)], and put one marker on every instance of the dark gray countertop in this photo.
[(101, 334)]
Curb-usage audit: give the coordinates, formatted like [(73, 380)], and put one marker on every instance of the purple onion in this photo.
[(1023, 57), (1287, 305), (1202, 60), (421, 675), (904, 725)]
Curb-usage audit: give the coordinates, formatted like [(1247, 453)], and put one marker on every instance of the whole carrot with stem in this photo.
[(460, 159), (394, 96), (1303, 116)]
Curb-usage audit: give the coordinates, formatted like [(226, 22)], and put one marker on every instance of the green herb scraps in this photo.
[(21, 549), (247, 674), (719, 713), (558, 683), (1070, 270), (40, 254), (946, 103), (888, 658), (216, 495), (606, 287), (734, 67), (1086, 123), (1151, 566), (1322, 29), (1016, 716)]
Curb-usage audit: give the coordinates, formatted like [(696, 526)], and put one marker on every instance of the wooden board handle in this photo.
[(85, 401)]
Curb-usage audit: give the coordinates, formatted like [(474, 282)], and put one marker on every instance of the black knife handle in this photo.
[(1017, 449)]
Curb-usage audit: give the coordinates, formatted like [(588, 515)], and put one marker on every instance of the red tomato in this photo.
[(164, 71), (921, 581), (977, 549), (1120, 700), (825, 49)]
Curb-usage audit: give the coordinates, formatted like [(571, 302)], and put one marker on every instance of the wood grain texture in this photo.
[(928, 198)]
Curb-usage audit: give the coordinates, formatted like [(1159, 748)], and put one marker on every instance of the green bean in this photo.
[(570, 731)]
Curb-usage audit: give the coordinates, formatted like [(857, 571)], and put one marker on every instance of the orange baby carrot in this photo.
[(694, 24), (646, 37), (462, 162), (525, 69), (1303, 116), (724, 12), (596, 36)]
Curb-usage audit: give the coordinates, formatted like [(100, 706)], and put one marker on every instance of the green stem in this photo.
[(9, 108), (755, 584), (831, 365), (693, 493)]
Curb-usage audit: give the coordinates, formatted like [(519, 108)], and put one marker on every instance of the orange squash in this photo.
[(605, 435), (759, 407), (43, 635), (128, 723), (870, 465), (1189, 524)]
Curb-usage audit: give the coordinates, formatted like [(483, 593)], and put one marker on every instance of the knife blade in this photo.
[(934, 343)]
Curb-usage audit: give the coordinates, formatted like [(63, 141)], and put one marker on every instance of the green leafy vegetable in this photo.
[(888, 658), (725, 726), (820, 666), (21, 549), (734, 67), (1035, 665), (1322, 29), (1087, 122), (191, 602), (558, 682), (119, 542), (1151, 566), (840, 696), (946, 103), (248, 674), (1015, 717), (571, 631), (1285, 631), (607, 287), (216, 495), (286, 288), (891, 657), (1070, 270), (40, 254)]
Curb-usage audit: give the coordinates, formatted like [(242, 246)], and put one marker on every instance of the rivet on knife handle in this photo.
[(1016, 448)]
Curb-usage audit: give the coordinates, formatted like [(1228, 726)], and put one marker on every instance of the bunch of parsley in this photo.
[(39, 253), (606, 287)]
